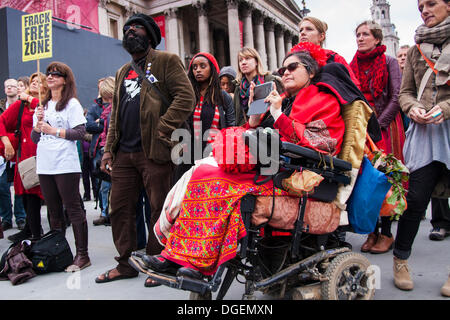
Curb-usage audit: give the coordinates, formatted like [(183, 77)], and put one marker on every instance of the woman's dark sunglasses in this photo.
[(55, 73), (291, 67), (136, 26)]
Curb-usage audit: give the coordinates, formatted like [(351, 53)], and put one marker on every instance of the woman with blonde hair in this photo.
[(315, 31), (250, 70), (27, 103)]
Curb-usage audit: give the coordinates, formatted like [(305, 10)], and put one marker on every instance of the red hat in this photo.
[(208, 56)]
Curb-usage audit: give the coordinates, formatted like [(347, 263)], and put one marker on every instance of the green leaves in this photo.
[(397, 174)]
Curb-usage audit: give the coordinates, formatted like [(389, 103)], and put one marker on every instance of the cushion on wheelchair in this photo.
[(320, 217)]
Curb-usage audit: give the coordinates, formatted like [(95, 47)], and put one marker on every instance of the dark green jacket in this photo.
[(156, 120)]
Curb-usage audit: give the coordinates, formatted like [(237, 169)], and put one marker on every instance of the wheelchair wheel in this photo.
[(348, 278), (198, 296)]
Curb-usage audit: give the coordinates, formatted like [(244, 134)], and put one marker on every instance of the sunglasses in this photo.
[(291, 67), (55, 73), (135, 27)]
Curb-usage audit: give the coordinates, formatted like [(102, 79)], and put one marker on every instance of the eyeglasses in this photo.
[(134, 26), (291, 67), (55, 73)]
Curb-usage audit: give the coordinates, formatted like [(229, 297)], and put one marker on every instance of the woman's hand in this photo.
[(25, 97), (106, 163), (46, 128), (435, 115), (40, 113), (9, 150), (275, 101), (418, 115)]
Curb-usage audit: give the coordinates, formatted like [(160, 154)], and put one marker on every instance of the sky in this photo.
[(343, 16)]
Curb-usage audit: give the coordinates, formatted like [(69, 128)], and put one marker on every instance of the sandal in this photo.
[(150, 283), (106, 277)]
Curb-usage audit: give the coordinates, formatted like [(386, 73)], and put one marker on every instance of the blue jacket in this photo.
[(93, 127)]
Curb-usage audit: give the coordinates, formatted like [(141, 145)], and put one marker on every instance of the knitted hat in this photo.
[(208, 56), (228, 71), (149, 24)]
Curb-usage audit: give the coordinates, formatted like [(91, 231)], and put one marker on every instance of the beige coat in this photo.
[(412, 77)]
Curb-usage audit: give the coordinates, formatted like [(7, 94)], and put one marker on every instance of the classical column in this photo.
[(219, 36), (233, 31), (103, 17), (271, 46), (203, 26), (248, 26), (288, 41), (172, 38), (279, 36), (260, 41)]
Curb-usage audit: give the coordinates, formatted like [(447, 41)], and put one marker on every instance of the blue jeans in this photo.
[(104, 192), (6, 211)]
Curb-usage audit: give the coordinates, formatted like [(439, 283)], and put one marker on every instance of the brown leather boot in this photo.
[(81, 261), (445, 290), (370, 242), (402, 278), (384, 244)]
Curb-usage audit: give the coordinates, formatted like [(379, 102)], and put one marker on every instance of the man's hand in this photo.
[(106, 163)]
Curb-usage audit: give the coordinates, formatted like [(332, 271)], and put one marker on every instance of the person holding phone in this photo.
[(206, 232), (250, 71), (426, 151)]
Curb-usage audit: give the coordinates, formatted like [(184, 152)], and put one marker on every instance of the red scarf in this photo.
[(371, 70), (198, 121)]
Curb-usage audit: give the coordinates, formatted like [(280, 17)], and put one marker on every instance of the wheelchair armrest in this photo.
[(295, 151)]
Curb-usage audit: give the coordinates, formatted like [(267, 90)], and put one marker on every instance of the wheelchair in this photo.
[(288, 263)]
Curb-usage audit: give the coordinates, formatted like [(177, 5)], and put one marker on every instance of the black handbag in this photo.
[(51, 253)]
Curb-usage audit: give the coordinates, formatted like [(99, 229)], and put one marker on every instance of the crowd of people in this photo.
[(122, 144)]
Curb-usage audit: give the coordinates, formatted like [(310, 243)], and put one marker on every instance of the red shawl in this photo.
[(315, 121), (371, 70)]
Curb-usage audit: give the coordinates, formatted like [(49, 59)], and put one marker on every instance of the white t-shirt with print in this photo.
[(57, 155)]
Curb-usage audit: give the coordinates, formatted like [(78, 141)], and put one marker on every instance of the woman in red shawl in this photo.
[(380, 80), (9, 147), (209, 225)]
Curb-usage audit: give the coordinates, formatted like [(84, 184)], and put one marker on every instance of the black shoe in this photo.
[(160, 264), (102, 221), (438, 234), (86, 198), (6, 225), (20, 236), (190, 273), (20, 224)]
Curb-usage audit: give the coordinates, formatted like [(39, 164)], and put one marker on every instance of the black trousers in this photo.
[(421, 185), (32, 205)]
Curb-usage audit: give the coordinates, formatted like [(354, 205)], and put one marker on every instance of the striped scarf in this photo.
[(198, 122)]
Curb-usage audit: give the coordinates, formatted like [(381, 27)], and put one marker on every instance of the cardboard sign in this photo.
[(37, 36)]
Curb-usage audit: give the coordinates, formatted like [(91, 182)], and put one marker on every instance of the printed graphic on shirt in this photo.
[(132, 85)]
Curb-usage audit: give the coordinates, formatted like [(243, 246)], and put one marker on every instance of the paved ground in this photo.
[(430, 264)]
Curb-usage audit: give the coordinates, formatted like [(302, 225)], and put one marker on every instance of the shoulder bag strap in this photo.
[(144, 78), (17, 132)]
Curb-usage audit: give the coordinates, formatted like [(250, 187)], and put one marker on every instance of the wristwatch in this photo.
[(58, 131)]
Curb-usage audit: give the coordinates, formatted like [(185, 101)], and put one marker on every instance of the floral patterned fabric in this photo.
[(209, 226)]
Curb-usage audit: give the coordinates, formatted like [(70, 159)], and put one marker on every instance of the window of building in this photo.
[(113, 24)]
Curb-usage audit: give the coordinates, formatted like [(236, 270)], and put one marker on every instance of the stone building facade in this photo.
[(381, 13), (220, 27)]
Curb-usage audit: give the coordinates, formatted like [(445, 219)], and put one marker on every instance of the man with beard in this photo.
[(138, 148)]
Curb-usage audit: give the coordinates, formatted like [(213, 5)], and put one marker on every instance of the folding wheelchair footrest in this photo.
[(170, 280)]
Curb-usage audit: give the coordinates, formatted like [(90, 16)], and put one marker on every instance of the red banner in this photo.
[(161, 22), (75, 12), (241, 32)]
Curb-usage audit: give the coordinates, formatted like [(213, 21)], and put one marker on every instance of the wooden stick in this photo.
[(39, 81)]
